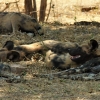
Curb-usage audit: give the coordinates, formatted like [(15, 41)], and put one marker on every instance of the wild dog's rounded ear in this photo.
[(9, 45), (94, 44), (13, 56)]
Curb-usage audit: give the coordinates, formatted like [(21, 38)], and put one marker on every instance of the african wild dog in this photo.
[(73, 56), (14, 21)]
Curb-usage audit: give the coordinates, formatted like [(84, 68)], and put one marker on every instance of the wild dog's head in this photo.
[(29, 24), (8, 52), (81, 54)]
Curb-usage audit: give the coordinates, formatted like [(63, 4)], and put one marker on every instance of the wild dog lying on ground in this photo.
[(13, 21), (74, 56), (58, 55)]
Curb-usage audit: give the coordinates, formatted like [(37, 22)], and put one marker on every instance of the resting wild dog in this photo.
[(74, 56), (13, 21), (60, 55)]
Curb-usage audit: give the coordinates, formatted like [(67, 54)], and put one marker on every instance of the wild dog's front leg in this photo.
[(15, 27), (14, 23)]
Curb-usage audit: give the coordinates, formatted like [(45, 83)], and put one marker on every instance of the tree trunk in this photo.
[(42, 10), (28, 6), (34, 9)]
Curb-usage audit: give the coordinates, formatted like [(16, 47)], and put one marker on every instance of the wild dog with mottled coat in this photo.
[(14, 21)]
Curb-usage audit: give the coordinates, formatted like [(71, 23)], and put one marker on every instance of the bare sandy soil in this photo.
[(57, 28)]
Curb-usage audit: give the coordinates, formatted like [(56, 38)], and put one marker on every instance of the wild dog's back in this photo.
[(5, 23)]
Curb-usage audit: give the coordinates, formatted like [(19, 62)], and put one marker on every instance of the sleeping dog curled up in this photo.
[(62, 55)]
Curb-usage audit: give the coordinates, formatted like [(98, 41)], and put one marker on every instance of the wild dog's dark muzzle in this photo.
[(75, 51), (78, 55)]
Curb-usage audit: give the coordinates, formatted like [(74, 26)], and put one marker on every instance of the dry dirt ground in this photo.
[(33, 88)]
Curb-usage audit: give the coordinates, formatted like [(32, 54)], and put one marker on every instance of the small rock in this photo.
[(30, 34)]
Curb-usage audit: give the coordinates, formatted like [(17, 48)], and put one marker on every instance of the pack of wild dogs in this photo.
[(61, 55)]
